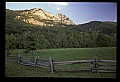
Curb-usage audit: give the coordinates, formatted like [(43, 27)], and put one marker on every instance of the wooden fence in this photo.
[(32, 62), (97, 65), (10, 58)]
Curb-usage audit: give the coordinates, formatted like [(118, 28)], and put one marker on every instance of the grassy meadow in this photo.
[(12, 69)]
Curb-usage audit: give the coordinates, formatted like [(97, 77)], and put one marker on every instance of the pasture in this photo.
[(12, 69)]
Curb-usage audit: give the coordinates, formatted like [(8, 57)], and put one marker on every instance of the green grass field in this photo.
[(12, 69)]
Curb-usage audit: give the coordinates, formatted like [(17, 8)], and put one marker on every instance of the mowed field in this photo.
[(12, 69)]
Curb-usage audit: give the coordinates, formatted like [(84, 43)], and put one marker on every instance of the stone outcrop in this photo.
[(38, 16)]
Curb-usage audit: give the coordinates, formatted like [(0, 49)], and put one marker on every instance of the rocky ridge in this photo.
[(38, 16)]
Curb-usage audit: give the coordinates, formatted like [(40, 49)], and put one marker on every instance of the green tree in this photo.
[(10, 43), (103, 40), (30, 41)]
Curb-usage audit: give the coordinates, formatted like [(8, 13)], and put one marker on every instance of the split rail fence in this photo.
[(97, 65)]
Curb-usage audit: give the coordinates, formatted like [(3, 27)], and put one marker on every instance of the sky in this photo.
[(78, 12)]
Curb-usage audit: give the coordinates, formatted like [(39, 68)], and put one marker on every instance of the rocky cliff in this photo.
[(38, 16)]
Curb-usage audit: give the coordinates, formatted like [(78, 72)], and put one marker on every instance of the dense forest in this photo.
[(20, 35)]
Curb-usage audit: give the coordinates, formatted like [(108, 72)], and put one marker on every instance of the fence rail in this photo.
[(97, 65), (10, 58), (32, 62)]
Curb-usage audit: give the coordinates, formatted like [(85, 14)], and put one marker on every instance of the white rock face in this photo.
[(37, 16)]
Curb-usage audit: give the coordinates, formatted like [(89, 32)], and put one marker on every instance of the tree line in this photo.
[(56, 37)]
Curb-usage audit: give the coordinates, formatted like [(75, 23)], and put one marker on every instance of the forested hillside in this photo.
[(21, 35)]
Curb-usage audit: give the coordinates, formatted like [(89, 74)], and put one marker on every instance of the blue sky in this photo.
[(79, 12)]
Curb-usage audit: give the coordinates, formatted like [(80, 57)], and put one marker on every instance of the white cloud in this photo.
[(59, 3), (58, 6)]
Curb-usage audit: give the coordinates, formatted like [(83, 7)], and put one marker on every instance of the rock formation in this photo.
[(38, 16)]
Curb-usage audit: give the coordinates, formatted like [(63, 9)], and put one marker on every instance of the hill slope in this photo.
[(99, 26), (40, 17)]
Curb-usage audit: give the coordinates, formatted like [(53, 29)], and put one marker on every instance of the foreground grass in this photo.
[(15, 70), (12, 69)]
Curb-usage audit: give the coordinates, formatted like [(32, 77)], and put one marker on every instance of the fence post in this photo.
[(18, 59), (96, 64), (51, 65), (35, 61)]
